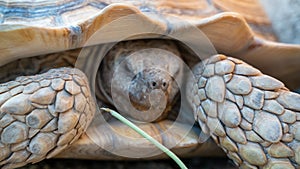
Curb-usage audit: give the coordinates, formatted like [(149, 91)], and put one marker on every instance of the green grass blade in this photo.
[(147, 136)]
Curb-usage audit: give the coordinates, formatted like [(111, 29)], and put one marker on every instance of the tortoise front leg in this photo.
[(41, 115), (251, 116)]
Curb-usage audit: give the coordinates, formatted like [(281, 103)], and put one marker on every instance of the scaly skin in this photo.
[(251, 116), (41, 115)]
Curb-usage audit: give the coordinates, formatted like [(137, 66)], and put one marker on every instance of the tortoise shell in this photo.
[(29, 29)]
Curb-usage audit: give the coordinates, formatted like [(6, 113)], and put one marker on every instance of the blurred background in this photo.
[(285, 18)]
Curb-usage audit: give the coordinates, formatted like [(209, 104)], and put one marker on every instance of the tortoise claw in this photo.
[(41, 115), (251, 116)]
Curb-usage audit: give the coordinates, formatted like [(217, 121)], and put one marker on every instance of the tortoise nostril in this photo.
[(159, 85), (164, 85), (154, 84)]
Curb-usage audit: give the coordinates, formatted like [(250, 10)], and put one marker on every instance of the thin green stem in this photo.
[(147, 136)]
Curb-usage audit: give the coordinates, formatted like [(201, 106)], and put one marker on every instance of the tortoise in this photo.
[(49, 110)]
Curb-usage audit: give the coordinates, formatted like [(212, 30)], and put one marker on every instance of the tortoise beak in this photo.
[(149, 95)]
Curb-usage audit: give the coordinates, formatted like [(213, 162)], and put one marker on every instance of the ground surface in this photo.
[(196, 163)]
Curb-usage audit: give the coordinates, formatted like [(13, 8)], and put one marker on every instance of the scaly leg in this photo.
[(251, 116), (41, 115)]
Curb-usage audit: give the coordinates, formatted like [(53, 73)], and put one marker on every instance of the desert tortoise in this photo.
[(251, 116)]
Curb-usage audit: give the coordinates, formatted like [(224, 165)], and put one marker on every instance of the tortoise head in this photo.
[(142, 80), (148, 85)]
